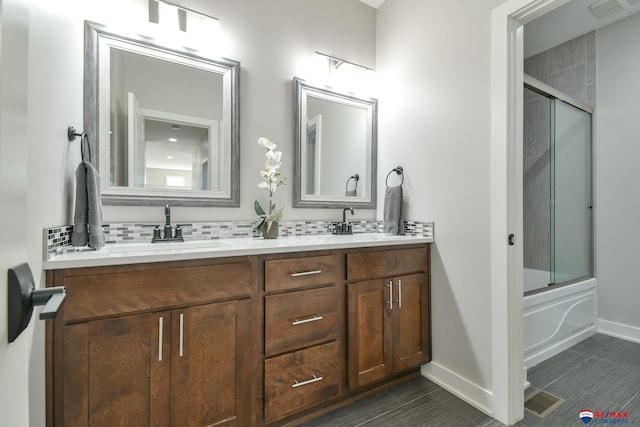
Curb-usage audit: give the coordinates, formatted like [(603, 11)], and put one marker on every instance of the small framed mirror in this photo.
[(335, 148), (163, 122)]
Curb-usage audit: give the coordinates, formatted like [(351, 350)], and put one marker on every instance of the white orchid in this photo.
[(266, 143), (270, 181), (273, 159)]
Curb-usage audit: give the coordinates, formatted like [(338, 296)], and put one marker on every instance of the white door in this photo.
[(136, 143)]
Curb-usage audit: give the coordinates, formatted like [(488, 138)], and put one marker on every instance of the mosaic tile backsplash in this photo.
[(57, 238)]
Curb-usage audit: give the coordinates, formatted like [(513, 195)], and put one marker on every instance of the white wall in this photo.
[(433, 63), (41, 88), (618, 152)]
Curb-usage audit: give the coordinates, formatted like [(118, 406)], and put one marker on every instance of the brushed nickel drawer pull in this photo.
[(160, 332), (312, 380), (313, 318), (181, 334), (399, 300), (306, 273), (390, 286)]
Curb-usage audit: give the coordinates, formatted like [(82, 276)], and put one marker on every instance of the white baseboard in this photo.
[(471, 393), (618, 330)]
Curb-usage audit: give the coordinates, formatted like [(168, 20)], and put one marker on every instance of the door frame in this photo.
[(507, 52)]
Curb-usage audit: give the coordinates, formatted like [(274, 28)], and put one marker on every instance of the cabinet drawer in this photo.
[(300, 319), (122, 291), (378, 264), (302, 379), (292, 273)]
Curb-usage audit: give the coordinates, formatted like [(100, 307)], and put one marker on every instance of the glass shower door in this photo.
[(537, 188), (571, 216), (557, 189)]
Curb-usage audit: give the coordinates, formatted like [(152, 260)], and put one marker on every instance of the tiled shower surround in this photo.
[(58, 238)]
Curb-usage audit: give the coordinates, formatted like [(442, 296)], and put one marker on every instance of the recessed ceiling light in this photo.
[(169, 157), (175, 127), (173, 140)]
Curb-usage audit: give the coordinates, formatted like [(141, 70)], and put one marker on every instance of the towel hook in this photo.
[(398, 170)]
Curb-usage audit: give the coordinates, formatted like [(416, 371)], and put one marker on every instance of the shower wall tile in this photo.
[(567, 54), (569, 67), (536, 126), (572, 81), (537, 66)]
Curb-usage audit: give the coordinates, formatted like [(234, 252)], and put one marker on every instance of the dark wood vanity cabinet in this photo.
[(157, 344), (238, 341), (304, 342), (388, 313)]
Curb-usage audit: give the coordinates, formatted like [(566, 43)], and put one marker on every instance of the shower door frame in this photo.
[(552, 93)]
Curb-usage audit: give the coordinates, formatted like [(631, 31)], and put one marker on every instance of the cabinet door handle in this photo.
[(306, 273), (313, 318), (181, 353), (312, 380), (390, 286), (399, 300), (160, 336)]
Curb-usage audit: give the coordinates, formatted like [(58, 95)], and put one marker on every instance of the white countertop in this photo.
[(135, 253)]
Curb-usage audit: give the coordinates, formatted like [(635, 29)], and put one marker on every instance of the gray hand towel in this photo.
[(88, 210), (96, 234), (393, 210), (80, 236)]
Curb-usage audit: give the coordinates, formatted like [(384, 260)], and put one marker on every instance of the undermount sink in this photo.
[(163, 247)]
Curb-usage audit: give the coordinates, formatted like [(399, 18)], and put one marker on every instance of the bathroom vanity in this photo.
[(244, 333)]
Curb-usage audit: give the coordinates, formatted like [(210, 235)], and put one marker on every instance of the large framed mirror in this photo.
[(163, 122), (335, 148)]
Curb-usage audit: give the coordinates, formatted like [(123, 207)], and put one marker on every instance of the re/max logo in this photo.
[(612, 414)]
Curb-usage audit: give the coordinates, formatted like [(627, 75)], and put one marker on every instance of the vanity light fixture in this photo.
[(335, 63), (202, 30), (346, 75)]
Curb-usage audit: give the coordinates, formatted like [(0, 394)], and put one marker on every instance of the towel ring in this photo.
[(398, 170), (355, 177), (84, 138)]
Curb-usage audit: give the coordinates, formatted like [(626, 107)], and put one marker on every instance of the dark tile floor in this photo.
[(601, 373)]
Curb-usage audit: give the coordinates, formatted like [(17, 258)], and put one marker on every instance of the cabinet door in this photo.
[(410, 321), (369, 332), (209, 362), (116, 372)]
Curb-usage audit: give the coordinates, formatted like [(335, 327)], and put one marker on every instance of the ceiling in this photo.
[(569, 21), (564, 23), (373, 3)]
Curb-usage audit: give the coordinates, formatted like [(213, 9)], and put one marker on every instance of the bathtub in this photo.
[(557, 318)]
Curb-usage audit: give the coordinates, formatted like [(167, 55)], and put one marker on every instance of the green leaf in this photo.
[(259, 224), (258, 209)]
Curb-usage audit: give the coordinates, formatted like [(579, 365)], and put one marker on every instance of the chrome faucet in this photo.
[(344, 214), (168, 231), (344, 227), (168, 235)]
